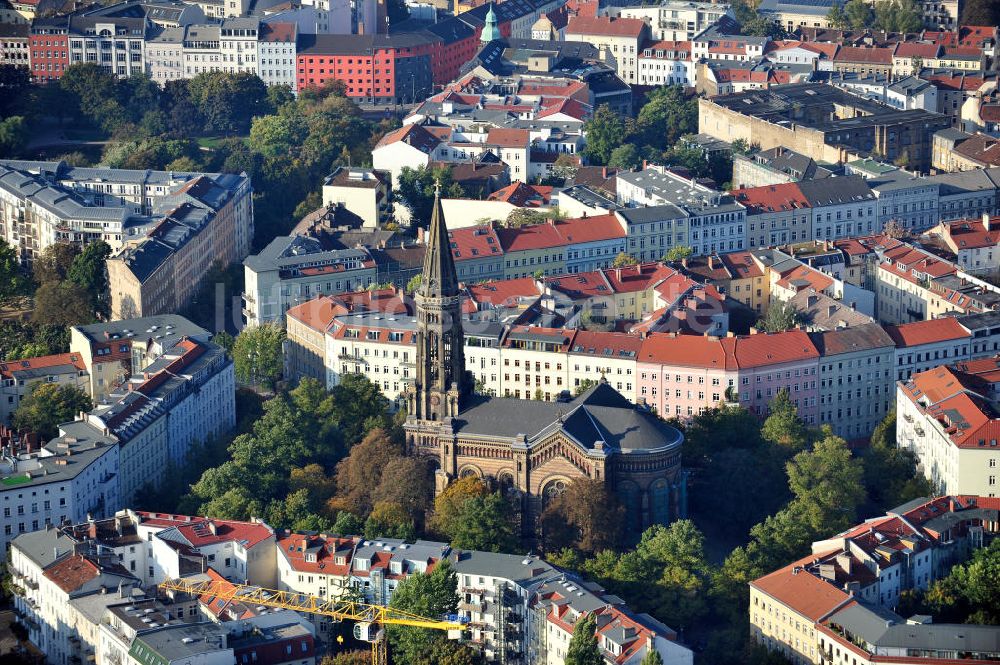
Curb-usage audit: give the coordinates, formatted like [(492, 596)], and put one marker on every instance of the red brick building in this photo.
[(49, 48)]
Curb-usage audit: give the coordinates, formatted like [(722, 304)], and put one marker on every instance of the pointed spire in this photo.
[(439, 277)]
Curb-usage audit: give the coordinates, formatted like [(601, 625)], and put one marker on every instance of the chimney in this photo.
[(684, 262), (604, 172), (92, 529), (986, 221), (831, 310)]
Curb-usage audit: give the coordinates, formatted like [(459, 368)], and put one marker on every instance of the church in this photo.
[(531, 449)]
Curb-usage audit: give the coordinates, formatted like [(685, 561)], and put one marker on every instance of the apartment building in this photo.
[(776, 214), (680, 21), (683, 375), (205, 223), (620, 40), (276, 45), (185, 397), (856, 374), (836, 605), (80, 581), (113, 351), (904, 282), (841, 207), (923, 345), (14, 49), (19, 378), (713, 221), (666, 63), (362, 192), (72, 476), (294, 269), (974, 243), (947, 416)]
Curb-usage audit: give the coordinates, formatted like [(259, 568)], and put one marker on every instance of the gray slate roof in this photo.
[(600, 414)]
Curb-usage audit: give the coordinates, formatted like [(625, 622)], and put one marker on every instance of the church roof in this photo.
[(600, 414)]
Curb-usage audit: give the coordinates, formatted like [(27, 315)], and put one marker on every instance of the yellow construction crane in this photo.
[(370, 619)]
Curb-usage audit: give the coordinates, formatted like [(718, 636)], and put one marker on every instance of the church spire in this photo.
[(439, 278), (441, 381)]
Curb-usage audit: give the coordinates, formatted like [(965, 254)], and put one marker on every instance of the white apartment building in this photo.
[(116, 44), (165, 55), (73, 476), (18, 378), (276, 53), (666, 63), (674, 20), (948, 417)]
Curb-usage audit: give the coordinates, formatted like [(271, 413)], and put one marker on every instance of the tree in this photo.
[(742, 147), (62, 304), (667, 115), (894, 229), (828, 485), (625, 156), (891, 472), (89, 272), (416, 189), (980, 12), (432, 596), (414, 283), (13, 136), (623, 260), (348, 524), (677, 253), (228, 101), (858, 14), (780, 316), (605, 131), (257, 354), (388, 519), (783, 426), (585, 385), (519, 217), (473, 518), (898, 16), (48, 405), (652, 657), (11, 281), (583, 648), (586, 516), (360, 473), (53, 263), (837, 18), (357, 657), (15, 84)]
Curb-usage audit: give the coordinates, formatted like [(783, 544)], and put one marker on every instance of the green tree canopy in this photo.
[(11, 280), (89, 272), (625, 156), (678, 253), (780, 316), (62, 304), (624, 260), (433, 596), (828, 485), (257, 354), (667, 115), (48, 405), (583, 648), (416, 190), (605, 131)]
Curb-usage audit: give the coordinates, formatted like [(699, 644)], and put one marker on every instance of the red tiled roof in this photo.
[(683, 48), (803, 273), (295, 546), (689, 351), (606, 344), (414, 135), (206, 531), (526, 238), (503, 292), (12, 368), (278, 32), (523, 195), (72, 572), (584, 284), (822, 48), (508, 138), (591, 229), (971, 233), (317, 313), (800, 590), (771, 198), (474, 242), (774, 348), (636, 277), (926, 332), (742, 265), (878, 56), (605, 26), (567, 106), (916, 50)]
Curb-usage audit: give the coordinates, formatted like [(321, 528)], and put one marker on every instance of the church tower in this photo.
[(442, 381)]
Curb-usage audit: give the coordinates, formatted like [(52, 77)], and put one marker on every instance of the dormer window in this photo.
[(310, 557), (396, 567)]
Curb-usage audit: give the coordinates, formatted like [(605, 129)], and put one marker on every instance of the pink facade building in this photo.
[(681, 375)]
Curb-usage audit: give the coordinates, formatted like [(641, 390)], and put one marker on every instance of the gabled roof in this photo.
[(802, 591), (927, 332), (414, 135), (605, 26)]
